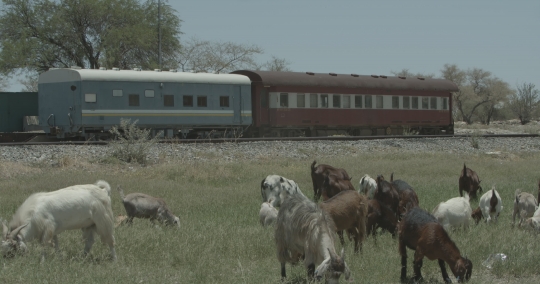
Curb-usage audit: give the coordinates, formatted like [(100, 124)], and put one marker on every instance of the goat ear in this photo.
[(281, 179)]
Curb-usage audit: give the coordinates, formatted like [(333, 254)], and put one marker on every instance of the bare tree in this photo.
[(275, 64), (499, 94), (524, 102), (216, 57), (30, 82), (406, 73)]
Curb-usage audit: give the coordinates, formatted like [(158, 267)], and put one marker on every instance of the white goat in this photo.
[(273, 186), (524, 206), (367, 186), (304, 229), (491, 205), (44, 215), (453, 213), (533, 223), (267, 214)]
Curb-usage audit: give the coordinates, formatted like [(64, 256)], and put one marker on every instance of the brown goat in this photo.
[(387, 195), (477, 215), (348, 210), (421, 232), (380, 217), (469, 182), (319, 172), (408, 198), (333, 185)]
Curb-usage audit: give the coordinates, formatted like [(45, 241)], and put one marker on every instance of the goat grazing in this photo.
[(140, 205), (387, 195), (348, 210), (267, 214), (273, 185), (420, 231), (477, 215), (302, 228), (319, 172), (533, 223), (524, 205), (469, 182), (491, 205), (407, 196), (380, 217), (44, 215), (367, 186), (454, 212), (333, 185)]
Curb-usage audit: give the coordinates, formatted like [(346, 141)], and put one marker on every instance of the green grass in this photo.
[(221, 241)]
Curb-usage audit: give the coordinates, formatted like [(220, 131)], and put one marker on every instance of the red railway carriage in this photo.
[(321, 104)]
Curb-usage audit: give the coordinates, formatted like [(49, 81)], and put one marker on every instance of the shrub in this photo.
[(130, 143)]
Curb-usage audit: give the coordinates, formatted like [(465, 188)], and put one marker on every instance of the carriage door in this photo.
[(237, 105)]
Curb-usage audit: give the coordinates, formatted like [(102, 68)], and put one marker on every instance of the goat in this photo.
[(140, 205), (333, 185), (367, 186), (387, 195), (348, 210), (491, 205), (454, 212), (524, 205), (477, 215), (267, 214), (380, 217), (420, 231), (533, 223), (44, 215), (273, 185), (407, 196), (303, 228), (319, 172), (469, 182)]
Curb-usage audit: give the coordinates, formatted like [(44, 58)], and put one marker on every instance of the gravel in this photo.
[(230, 152)]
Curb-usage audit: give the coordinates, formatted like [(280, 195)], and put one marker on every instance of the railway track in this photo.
[(241, 140)]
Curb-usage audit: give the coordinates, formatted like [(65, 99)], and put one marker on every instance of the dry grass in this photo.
[(221, 241)]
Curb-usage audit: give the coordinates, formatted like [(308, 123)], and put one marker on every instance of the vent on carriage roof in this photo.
[(332, 74), (421, 78), (136, 69), (374, 76), (354, 75), (102, 68), (157, 70), (116, 69), (383, 76), (402, 77), (310, 73), (173, 70)]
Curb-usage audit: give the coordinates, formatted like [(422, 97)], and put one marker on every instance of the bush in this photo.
[(130, 143)]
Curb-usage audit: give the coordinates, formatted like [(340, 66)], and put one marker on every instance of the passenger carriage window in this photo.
[(300, 100), (117, 93), (149, 93), (415, 103), (187, 101), (368, 103), (134, 100), (425, 103), (324, 100), (284, 100), (346, 101), (336, 101), (313, 100), (358, 101), (406, 101), (224, 101), (445, 103), (90, 98), (433, 103), (201, 101), (379, 101), (168, 100), (395, 102)]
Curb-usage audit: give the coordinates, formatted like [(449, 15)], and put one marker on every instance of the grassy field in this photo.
[(221, 241)]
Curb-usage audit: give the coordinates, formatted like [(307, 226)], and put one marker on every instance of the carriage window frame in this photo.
[(300, 100), (202, 101), (149, 93), (336, 101), (414, 103), (324, 101), (395, 102), (313, 100), (187, 101), (346, 101), (445, 103), (358, 101), (90, 98), (379, 102), (284, 100), (406, 102), (168, 100), (224, 101), (368, 101), (433, 103), (133, 100), (425, 103), (117, 93)]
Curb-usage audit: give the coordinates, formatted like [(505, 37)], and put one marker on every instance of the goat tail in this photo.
[(464, 170), (121, 192), (104, 185), (313, 166)]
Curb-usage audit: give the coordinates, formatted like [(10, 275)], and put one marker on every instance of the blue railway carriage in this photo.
[(88, 102)]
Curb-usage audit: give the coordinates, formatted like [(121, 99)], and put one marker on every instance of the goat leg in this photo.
[(403, 252), (417, 264), (311, 271), (283, 274), (443, 271)]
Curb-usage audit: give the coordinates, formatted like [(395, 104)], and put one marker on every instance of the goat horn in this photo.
[(332, 254), (16, 231)]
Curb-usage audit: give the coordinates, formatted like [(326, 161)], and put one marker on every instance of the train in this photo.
[(87, 103)]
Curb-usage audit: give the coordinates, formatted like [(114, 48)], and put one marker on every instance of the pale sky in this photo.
[(377, 37)]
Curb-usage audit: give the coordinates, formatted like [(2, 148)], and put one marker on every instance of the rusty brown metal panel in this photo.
[(332, 80)]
